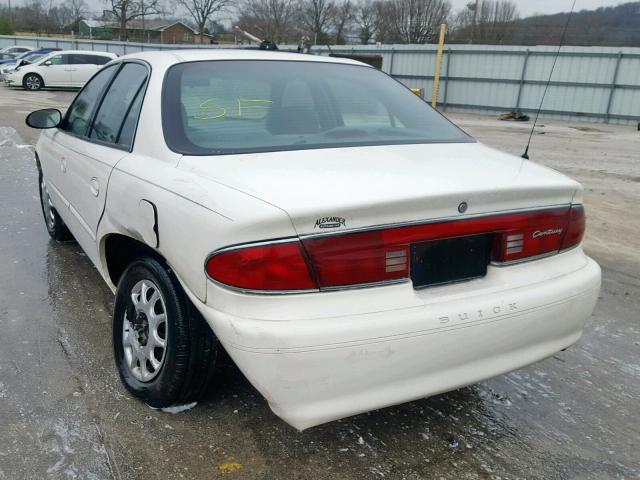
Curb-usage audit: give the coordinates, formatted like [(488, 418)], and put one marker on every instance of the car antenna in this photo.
[(525, 155)]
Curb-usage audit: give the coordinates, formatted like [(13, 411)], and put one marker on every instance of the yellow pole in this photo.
[(436, 78)]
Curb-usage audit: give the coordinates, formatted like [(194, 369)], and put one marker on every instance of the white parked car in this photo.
[(69, 68), (346, 244), (13, 51), (23, 59)]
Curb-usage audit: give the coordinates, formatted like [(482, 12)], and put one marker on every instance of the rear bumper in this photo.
[(364, 352)]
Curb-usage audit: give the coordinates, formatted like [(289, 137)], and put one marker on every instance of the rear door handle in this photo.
[(94, 186), (63, 165)]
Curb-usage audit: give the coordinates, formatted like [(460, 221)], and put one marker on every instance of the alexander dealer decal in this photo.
[(330, 222)]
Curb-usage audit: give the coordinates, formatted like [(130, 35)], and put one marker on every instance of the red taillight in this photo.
[(275, 266), (357, 258), (544, 234), (384, 255), (576, 227), (539, 234)]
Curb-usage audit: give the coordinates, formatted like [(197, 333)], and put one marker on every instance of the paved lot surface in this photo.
[(64, 414)]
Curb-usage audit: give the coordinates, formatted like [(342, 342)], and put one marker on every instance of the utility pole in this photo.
[(436, 78), (143, 24), (473, 25)]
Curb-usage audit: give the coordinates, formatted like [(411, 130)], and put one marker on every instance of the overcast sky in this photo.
[(529, 7)]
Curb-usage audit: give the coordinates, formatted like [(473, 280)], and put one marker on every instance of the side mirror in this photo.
[(45, 118), (47, 63)]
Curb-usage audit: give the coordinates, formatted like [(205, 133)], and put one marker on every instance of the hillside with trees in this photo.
[(498, 24)]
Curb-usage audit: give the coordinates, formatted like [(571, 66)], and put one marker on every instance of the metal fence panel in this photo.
[(591, 83)]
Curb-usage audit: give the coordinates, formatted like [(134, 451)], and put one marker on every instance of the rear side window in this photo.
[(80, 111), (118, 112), (128, 128), (100, 59), (82, 59)]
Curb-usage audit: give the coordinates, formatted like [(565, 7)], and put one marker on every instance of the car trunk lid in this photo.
[(328, 190)]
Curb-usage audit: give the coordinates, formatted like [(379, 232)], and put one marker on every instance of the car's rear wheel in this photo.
[(32, 81), (164, 350), (55, 226)]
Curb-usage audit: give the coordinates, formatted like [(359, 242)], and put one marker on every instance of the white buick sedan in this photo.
[(70, 68), (346, 244)]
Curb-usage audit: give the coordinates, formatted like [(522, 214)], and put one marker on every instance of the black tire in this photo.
[(55, 225), (191, 347), (32, 82)]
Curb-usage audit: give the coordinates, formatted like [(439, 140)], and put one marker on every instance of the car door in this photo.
[(96, 148), (56, 70), (53, 146), (84, 66)]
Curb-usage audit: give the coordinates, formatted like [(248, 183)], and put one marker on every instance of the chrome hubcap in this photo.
[(47, 206), (144, 331), (33, 83)]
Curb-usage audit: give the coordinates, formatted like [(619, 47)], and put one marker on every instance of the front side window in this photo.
[(79, 113), (225, 107), (120, 104), (60, 60)]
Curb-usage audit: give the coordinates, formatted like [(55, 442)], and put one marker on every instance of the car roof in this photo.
[(54, 53), (200, 54), (84, 52)]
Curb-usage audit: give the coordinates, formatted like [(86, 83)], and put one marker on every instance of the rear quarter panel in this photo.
[(194, 216)]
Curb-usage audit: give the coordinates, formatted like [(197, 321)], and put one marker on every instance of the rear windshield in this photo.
[(225, 107)]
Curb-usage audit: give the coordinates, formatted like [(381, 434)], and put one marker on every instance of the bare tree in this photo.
[(343, 19), (494, 17), (366, 19), (202, 10), (385, 25), (77, 9), (485, 21), (316, 17), (71, 12), (416, 21), (35, 17), (126, 10), (271, 19)]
